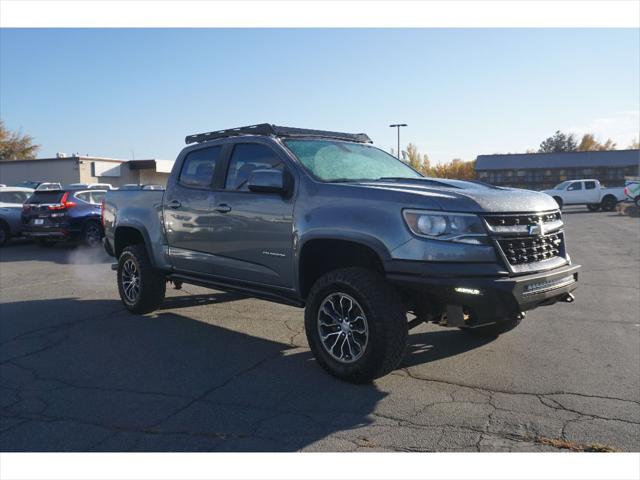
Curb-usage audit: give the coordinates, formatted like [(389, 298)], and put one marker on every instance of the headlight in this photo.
[(455, 227)]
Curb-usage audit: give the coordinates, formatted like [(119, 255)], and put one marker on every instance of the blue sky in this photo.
[(463, 92)]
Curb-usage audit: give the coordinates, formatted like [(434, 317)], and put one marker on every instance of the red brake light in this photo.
[(64, 203)]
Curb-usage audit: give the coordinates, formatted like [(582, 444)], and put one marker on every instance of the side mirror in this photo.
[(267, 181)]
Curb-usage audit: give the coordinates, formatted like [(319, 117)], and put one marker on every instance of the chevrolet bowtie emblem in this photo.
[(537, 229)]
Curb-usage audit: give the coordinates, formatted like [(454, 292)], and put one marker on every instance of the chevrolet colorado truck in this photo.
[(326, 221)]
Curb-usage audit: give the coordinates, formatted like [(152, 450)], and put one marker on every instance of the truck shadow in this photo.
[(80, 375)]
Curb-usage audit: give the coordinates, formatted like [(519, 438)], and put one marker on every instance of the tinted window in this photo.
[(45, 196), (589, 185), (575, 186), (245, 159), (13, 197), (198, 167)]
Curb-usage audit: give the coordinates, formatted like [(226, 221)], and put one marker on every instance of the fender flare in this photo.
[(140, 228)]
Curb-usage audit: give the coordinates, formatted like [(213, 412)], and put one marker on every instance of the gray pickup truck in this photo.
[(326, 221)]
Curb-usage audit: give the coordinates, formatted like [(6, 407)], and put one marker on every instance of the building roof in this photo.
[(69, 157), (610, 158)]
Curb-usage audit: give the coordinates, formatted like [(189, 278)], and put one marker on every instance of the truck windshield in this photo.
[(336, 161)]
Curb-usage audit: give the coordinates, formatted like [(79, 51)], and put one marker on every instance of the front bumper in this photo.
[(489, 298)]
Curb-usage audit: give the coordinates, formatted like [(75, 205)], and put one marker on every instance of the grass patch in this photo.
[(563, 444)]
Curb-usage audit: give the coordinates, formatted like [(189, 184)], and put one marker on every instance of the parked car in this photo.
[(49, 186), (29, 184), (68, 215), (589, 192), (632, 191), (326, 221), (11, 200), (90, 186)]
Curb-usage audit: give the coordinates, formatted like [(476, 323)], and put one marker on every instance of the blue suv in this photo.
[(65, 215)]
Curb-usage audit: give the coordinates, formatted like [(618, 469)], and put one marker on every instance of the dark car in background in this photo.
[(64, 215), (11, 200)]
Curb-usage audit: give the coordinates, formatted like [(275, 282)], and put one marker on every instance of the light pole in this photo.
[(398, 125)]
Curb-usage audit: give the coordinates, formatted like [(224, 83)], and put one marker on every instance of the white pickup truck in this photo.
[(587, 192)]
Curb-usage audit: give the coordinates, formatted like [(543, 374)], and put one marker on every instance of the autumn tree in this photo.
[(15, 146), (558, 142), (415, 160), (590, 144)]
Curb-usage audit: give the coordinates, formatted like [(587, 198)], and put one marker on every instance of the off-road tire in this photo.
[(152, 283), (90, 232), (593, 207), (385, 316), (608, 203), (559, 202), (5, 233), (493, 330)]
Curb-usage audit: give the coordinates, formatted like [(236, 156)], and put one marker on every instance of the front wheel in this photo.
[(142, 288), (637, 201), (356, 325), (593, 207), (559, 202)]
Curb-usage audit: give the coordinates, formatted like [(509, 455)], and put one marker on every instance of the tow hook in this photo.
[(569, 298)]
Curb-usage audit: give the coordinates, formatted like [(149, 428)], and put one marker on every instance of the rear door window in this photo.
[(199, 166), (84, 196), (246, 158), (589, 185), (97, 197)]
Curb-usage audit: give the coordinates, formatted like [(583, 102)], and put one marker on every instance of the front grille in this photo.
[(521, 219), (528, 240), (521, 250)]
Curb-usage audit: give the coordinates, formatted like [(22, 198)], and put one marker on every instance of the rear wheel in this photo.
[(91, 234), (142, 288), (559, 202), (637, 201), (356, 325), (608, 203), (593, 207)]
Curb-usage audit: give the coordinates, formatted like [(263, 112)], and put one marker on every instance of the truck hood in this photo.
[(468, 196)]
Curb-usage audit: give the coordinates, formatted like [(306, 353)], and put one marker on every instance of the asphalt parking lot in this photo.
[(217, 372)]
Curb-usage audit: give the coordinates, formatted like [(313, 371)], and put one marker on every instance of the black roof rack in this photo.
[(270, 129)]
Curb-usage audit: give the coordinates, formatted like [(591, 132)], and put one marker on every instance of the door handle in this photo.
[(222, 208), (174, 204)]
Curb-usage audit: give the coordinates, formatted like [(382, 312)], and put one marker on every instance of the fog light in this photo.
[(468, 291)]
